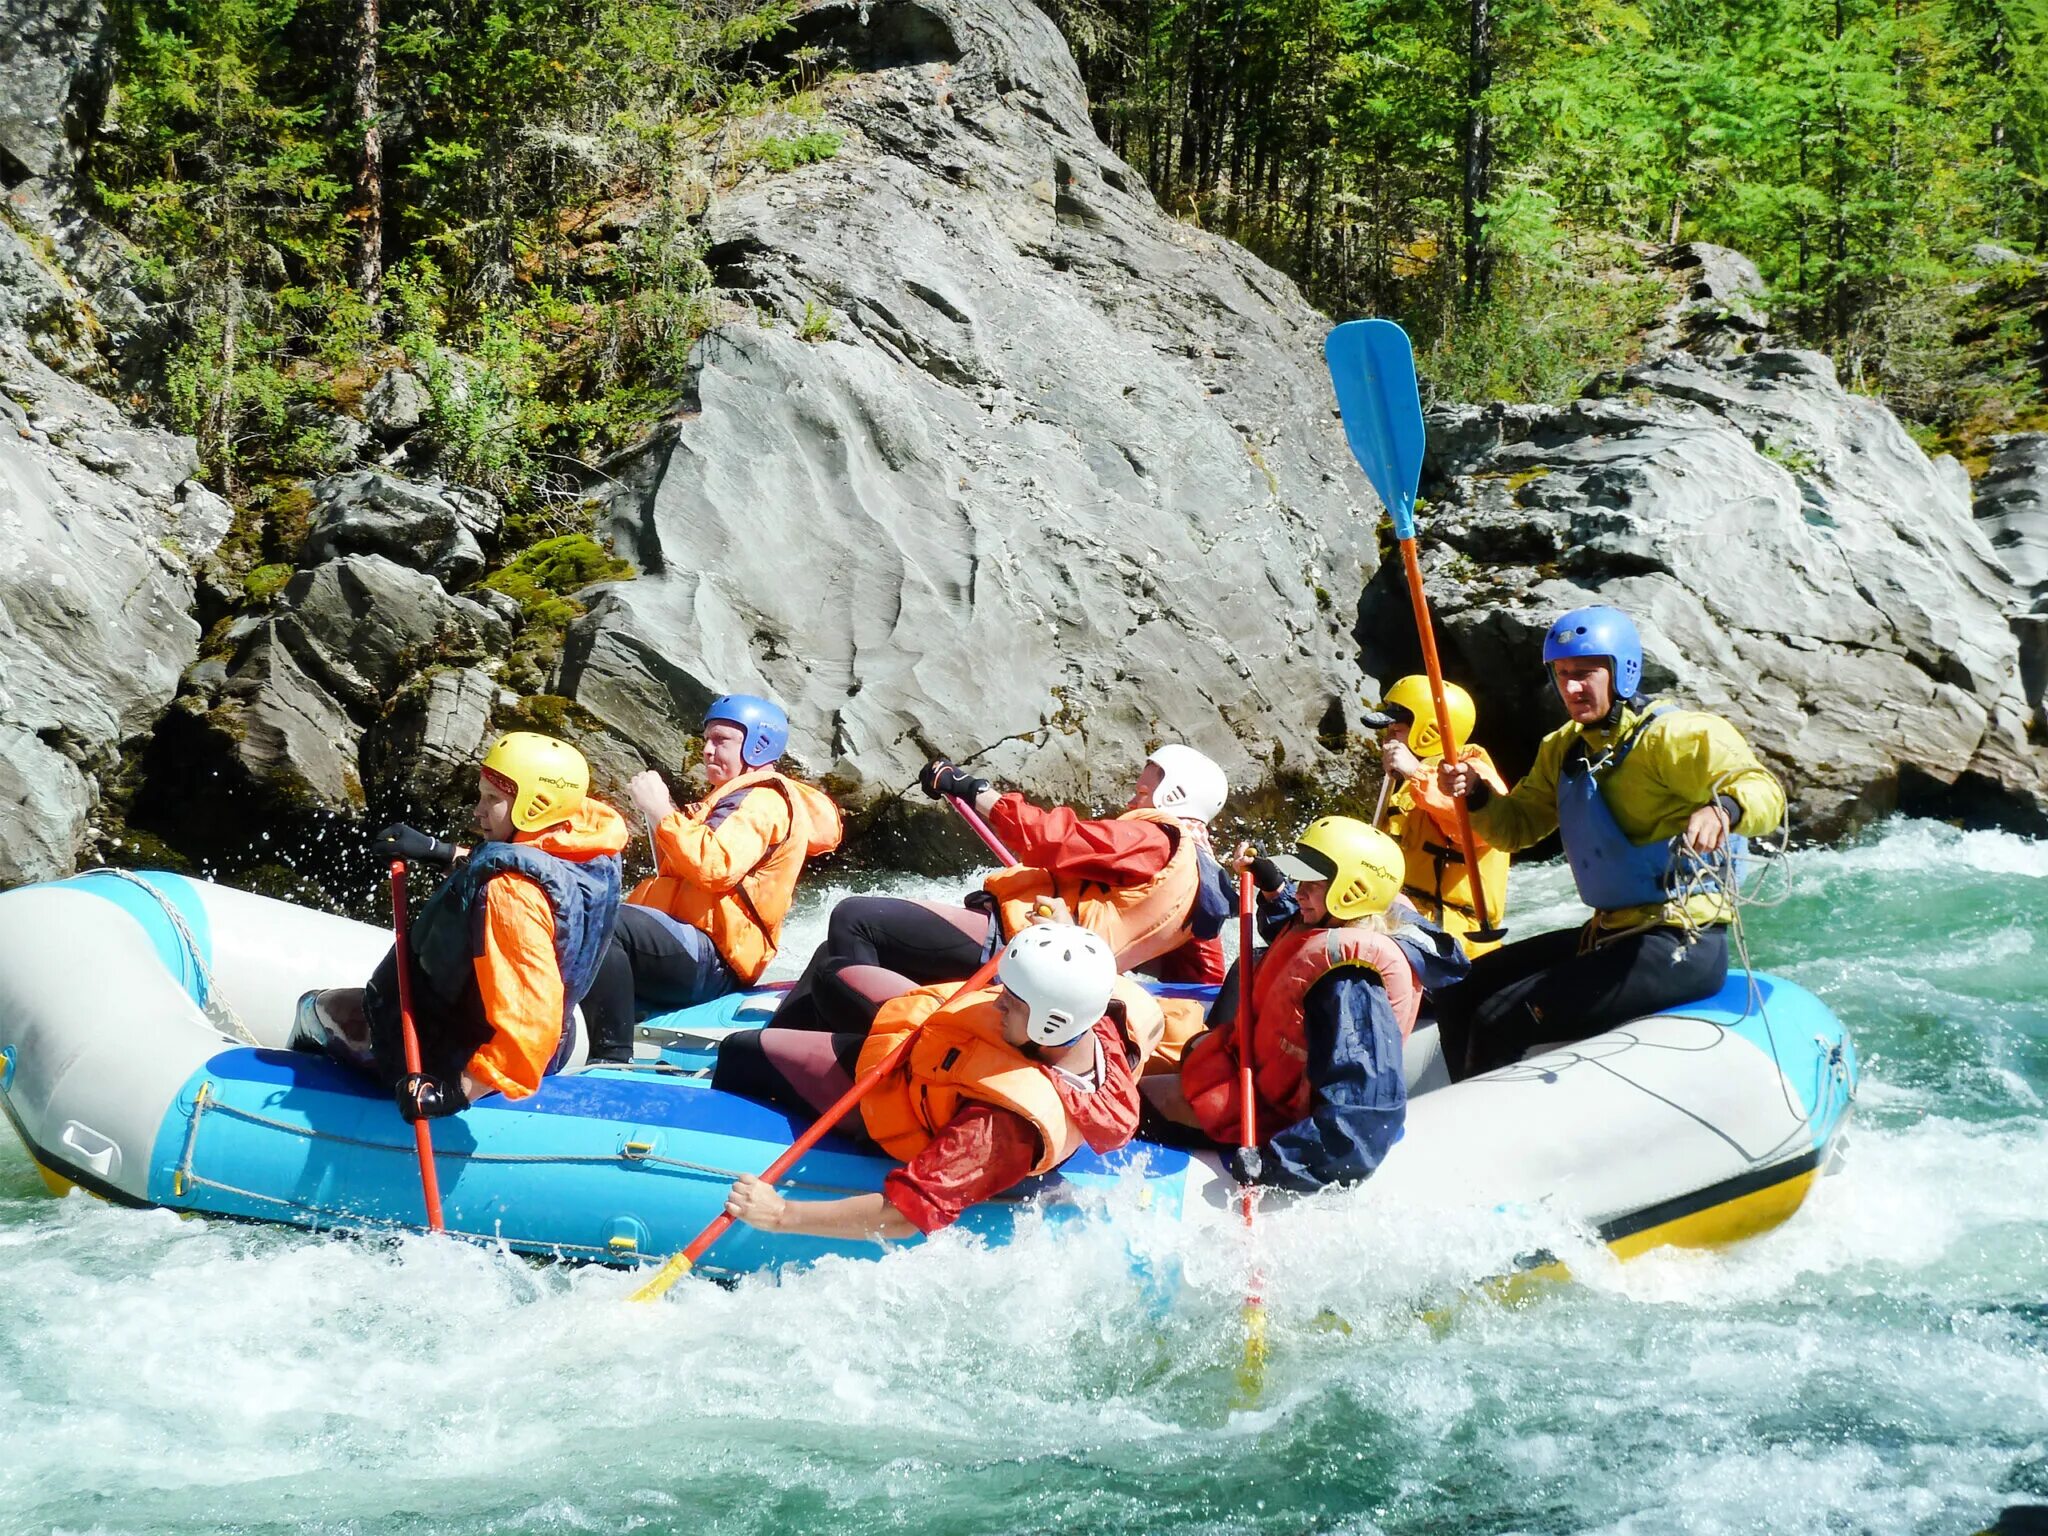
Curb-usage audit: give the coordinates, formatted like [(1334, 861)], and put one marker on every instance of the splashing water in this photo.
[(1879, 1364)]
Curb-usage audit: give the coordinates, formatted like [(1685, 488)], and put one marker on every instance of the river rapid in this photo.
[(1879, 1364)]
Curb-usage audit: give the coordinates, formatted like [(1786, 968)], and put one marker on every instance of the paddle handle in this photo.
[(1247, 1113), (983, 831), (423, 1139), (1251, 1367), (681, 1264), (1434, 667)]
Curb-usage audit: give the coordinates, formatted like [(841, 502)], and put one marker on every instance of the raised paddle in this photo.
[(1372, 367), (423, 1139), (983, 830), (681, 1264), (1251, 1369)]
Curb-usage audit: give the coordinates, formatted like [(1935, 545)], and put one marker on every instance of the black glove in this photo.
[(399, 841), (940, 779), (1267, 877), (421, 1097), (1245, 1165)]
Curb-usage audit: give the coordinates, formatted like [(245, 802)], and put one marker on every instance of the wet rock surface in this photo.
[(1053, 479), (1795, 562)]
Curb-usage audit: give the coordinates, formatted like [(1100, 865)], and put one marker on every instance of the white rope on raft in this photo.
[(216, 1005)]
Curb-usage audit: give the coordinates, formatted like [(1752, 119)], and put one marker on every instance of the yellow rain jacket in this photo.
[(1684, 758)]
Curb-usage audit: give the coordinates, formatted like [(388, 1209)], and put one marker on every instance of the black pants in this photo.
[(450, 1033), (1548, 988), (653, 964), (884, 931)]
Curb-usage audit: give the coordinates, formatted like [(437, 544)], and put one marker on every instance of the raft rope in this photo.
[(1718, 871), (632, 1152), (215, 1004)]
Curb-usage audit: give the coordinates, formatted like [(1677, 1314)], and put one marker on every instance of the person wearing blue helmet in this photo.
[(708, 921), (1653, 803)]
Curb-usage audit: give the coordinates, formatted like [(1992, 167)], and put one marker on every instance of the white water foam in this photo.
[(1878, 1364)]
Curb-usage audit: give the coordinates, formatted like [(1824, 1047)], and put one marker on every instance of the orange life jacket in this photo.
[(960, 1056), (745, 923), (1139, 922), (1297, 960), (1425, 824)]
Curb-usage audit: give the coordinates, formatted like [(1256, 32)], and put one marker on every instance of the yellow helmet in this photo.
[(1413, 695), (549, 778), (1362, 864)]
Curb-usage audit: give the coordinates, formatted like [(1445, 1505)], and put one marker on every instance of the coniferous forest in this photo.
[(317, 181)]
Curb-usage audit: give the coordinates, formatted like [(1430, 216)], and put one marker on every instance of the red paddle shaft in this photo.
[(423, 1139)]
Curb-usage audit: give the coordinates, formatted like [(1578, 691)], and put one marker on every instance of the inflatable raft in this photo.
[(141, 1015)]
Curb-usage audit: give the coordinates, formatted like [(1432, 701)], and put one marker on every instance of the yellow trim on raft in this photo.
[(57, 1184), (1718, 1226), (1729, 1222)]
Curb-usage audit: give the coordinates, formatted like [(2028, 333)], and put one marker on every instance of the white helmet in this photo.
[(1064, 974), (1190, 785)]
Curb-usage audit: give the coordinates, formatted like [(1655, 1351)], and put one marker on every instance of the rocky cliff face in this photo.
[(101, 521), (989, 458), (1057, 473), (1795, 561)]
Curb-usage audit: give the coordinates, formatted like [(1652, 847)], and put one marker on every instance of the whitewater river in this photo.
[(1878, 1365)]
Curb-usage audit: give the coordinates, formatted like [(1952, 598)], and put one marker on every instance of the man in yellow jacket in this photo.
[(1424, 820), (1653, 804), (708, 921)]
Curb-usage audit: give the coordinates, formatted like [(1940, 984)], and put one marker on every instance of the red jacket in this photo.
[(984, 1150)]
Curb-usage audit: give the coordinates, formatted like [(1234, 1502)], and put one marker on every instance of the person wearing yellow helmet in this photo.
[(1424, 820), (503, 950), (1335, 994)]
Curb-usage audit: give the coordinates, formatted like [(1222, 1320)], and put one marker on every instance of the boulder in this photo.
[(1794, 560), (396, 404), (314, 718), (434, 528), (425, 749), (1000, 462), (1721, 311), (2012, 508), (100, 522), (52, 57)]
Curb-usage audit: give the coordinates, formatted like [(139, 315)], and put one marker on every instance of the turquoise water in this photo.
[(1880, 1364)]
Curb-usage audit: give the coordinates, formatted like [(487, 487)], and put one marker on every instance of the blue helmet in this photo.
[(1606, 633), (767, 727)]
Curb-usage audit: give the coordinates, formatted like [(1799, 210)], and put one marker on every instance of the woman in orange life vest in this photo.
[(502, 952), (1145, 881), (708, 921), (1000, 1085), (1336, 993), (1424, 820)]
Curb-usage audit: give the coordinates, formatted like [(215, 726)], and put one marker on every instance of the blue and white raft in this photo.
[(141, 1017)]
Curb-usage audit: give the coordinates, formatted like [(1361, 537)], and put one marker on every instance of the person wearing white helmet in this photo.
[(1145, 880), (999, 1085)]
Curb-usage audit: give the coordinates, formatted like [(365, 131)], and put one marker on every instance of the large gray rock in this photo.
[(1066, 476), (99, 525), (427, 745), (1720, 313), (434, 528), (1794, 560), (285, 721), (51, 54), (2012, 507)]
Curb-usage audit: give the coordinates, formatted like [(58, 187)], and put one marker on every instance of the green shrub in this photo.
[(780, 154)]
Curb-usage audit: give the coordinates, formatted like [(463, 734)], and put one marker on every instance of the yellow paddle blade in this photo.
[(1251, 1370), (664, 1277)]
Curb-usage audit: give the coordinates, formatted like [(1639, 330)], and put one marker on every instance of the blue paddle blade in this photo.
[(1372, 367)]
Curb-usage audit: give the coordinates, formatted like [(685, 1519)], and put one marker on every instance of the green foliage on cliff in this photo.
[(1467, 165), (530, 212)]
